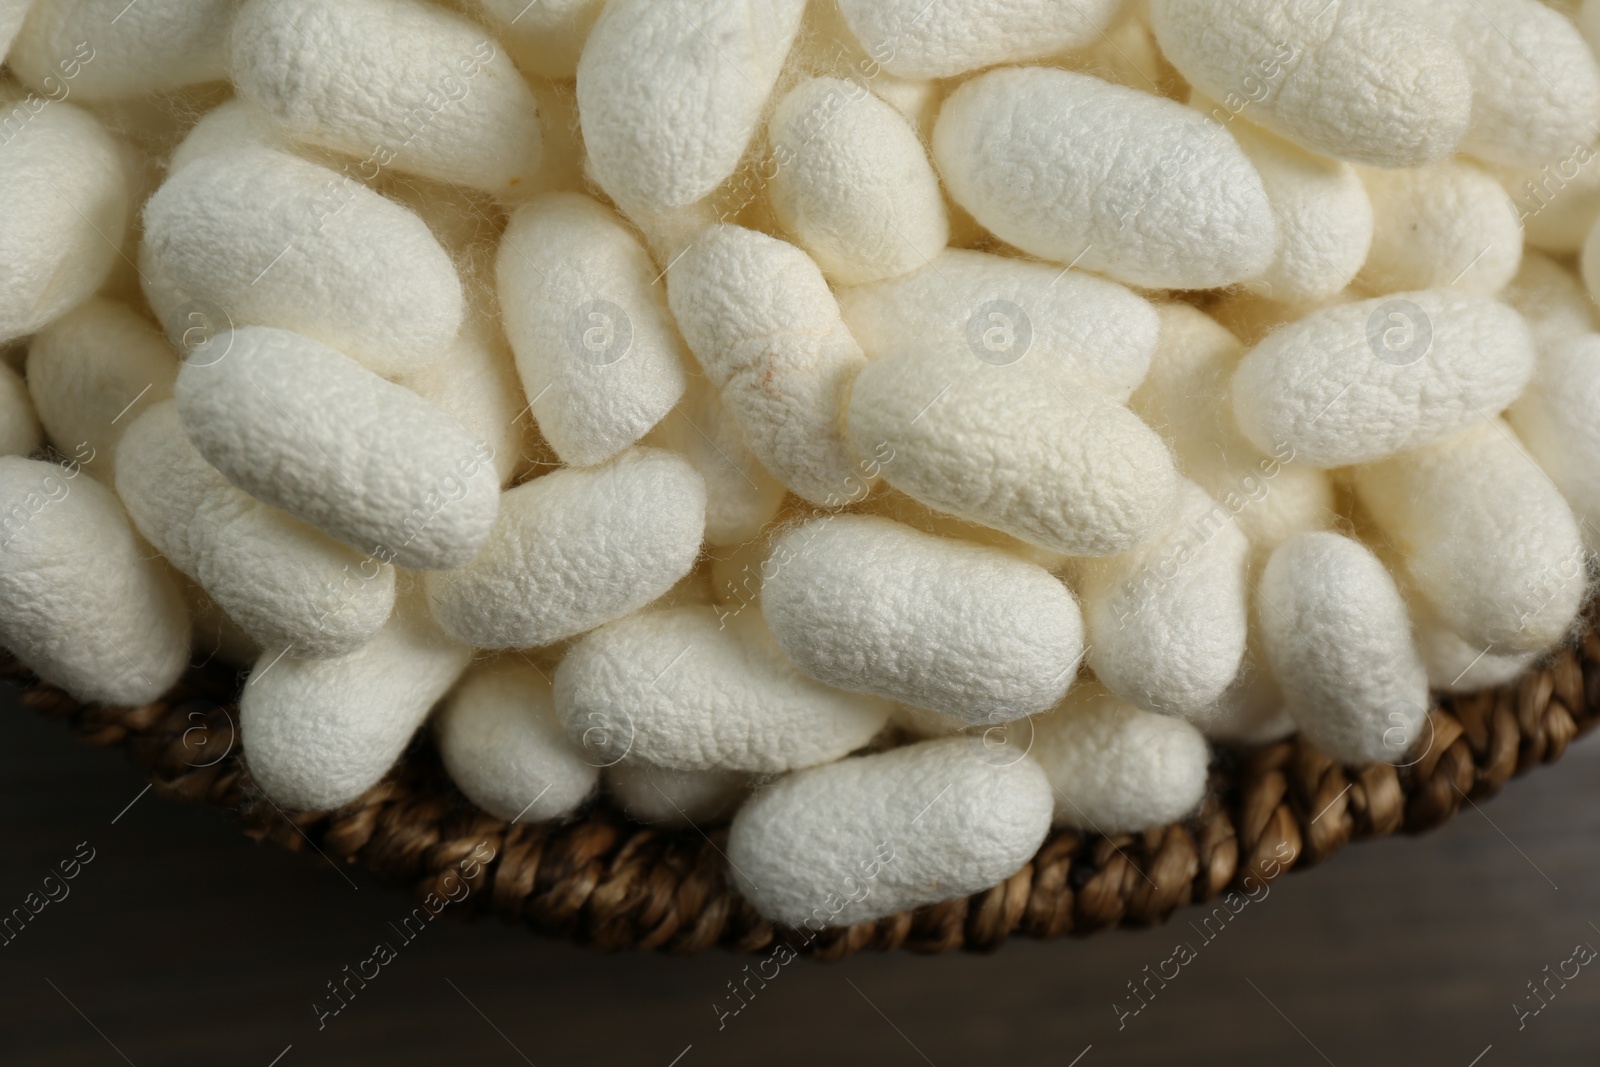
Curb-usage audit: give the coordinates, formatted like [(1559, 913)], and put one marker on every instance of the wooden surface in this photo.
[(181, 942)]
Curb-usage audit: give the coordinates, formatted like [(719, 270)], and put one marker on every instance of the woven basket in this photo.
[(604, 881)]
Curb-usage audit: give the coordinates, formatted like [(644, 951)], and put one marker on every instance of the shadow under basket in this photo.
[(604, 881)]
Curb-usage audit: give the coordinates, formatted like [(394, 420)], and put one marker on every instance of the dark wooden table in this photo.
[(182, 942)]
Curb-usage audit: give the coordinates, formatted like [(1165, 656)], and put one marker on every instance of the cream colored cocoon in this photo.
[(112, 49), (1370, 81), (398, 83), (301, 427), (1116, 769), (1001, 309), (1457, 666), (596, 347), (661, 796), (267, 239), (505, 749), (1444, 225), (916, 39), (574, 549), (872, 606), (1556, 420), (20, 431), (683, 688), (1589, 261), (760, 319), (476, 382), (1486, 539), (881, 834), (1338, 639), (12, 12), (670, 99), (741, 496), (231, 125), (1070, 168), (320, 732), (82, 601), (91, 373), (1166, 623), (1055, 464), (544, 37), (284, 583), (853, 185), (1358, 382), (67, 202), (1551, 299), (1557, 201)]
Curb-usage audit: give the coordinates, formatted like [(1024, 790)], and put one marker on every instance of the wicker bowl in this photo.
[(602, 880)]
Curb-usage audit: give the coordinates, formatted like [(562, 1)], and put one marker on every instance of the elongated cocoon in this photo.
[(231, 125), (476, 383), (401, 83), (320, 732), (670, 102), (82, 602), (111, 48), (872, 606), (1369, 81), (286, 584), (916, 39), (759, 318), (662, 796), (92, 372), (1362, 381), (303, 428), (853, 185), (1551, 300), (1117, 181), (1057, 465), (682, 688), (1448, 224), (67, 205), (574, 549), (505, 749), (544, 38), (1006, 310), (1166, 623), (1486, 539), (1116, 769), (20, 432), (1555, 419), (1338, 639), (595, 345), (1457, 666), (881, 834), (741, 496), (272, 240)]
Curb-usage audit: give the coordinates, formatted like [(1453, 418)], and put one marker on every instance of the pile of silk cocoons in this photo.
[(891, 429)]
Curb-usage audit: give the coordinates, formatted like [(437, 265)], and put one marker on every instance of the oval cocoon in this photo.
[(1445, 225), (872, 606), (661, 796), (106, 49), (1556, 420), (916, 39), (741, 496), (881, 834), (1070, 168), (687, 689)]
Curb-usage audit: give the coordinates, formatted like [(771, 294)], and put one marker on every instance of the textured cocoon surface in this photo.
[(1367, 80), (872, 606), (574, 549), (661, 796), (1117, 769), (1070, 168), (91, 373), (685, 688), (1336, 634), (1362, 381), (66, 210), (111, 48), (1454, 665), (284, 583), (396, 83), (82, 602), (1445, 225), (266, 239), (1186, 399), (669, 99), (880, 834), (1557, 421), (320, 732), (853, 185), (1083, 327), (760, 319), (1166, 623), (916, 39), (1057, 465), (1486, 539), (505, 749), (303, 428), (476, 383), (20, 432), (741, 496), (231, 125), (545, 38), (596, 348)]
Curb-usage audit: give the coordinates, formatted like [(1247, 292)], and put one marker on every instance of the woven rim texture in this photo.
[(605, 881)]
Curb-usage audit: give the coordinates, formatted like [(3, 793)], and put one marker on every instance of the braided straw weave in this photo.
[(605, 881)]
